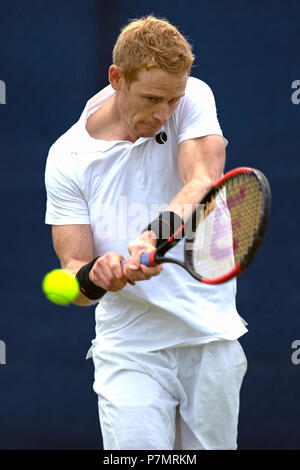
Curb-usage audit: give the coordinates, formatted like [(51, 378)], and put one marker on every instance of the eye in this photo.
[(152, 99), (157, 100)]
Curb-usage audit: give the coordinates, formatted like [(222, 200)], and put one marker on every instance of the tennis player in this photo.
[(147, 147)]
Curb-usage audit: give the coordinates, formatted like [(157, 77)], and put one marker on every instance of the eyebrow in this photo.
[(152, 95)]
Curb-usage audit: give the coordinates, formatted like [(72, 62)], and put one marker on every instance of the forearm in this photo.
[(200, 163), (191, 194)]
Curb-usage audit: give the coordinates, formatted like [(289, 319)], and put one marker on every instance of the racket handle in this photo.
[(145, 259), (148, 259)]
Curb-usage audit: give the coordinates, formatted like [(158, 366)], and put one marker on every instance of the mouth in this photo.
[(153, 127)]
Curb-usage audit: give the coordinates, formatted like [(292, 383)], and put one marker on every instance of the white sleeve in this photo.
[(196, 115), (66, 204)]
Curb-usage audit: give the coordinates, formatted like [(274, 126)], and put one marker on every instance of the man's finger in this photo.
[(152, 270), (134, 262)]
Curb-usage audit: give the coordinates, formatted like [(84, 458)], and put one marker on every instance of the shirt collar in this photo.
[(91, 106)]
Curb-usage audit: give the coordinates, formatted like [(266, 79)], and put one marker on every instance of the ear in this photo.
[(115, 77)]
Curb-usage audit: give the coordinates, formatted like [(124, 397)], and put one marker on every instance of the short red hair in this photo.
[(150, 42)]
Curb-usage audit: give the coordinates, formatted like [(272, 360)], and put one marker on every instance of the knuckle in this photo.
[(94, 276), (99, 263), (120, 277)]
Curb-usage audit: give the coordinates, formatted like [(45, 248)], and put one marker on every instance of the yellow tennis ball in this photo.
[(60, 287)]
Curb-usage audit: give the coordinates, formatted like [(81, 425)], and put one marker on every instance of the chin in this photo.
[(148, 131), (147, 134)]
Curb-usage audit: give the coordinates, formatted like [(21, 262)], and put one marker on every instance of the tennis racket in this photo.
[(224, 233)]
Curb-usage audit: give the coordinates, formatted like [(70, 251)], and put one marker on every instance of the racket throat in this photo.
[(162, 259)]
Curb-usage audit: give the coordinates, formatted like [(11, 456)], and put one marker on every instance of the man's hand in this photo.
[(108, 274), (134, 270)]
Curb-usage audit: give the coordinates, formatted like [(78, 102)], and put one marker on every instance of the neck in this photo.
[(109, 123), (120, 121)]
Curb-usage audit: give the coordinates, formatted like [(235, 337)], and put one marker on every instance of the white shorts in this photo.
[(183, 398)]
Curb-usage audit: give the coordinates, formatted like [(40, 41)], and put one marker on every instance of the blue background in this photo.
[(53, 57)]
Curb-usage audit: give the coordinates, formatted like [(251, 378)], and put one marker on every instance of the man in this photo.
[(168, 366)]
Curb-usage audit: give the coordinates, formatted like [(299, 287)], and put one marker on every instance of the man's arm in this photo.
[(73, 245), (201, 163)]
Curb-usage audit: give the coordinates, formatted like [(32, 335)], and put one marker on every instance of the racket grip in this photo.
[(145, 259), (148, 259)]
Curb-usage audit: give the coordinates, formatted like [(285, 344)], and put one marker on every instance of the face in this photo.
[(147, 104)]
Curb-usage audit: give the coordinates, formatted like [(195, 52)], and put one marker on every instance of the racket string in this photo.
[(227, 226)]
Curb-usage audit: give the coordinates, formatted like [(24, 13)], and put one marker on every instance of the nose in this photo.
[(161, 114)]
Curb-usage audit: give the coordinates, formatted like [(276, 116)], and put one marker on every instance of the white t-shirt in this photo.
[(118, 187)]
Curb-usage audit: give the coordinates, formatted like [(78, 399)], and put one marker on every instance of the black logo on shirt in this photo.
[(161, 138)]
